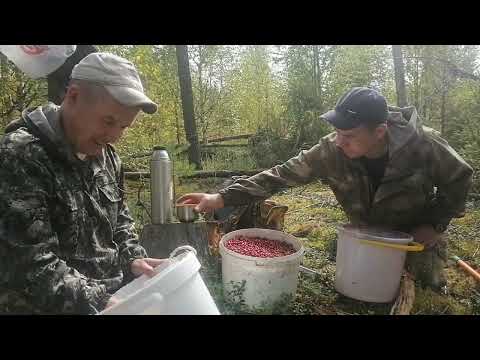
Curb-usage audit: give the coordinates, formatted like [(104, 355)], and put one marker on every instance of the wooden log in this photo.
[(161, 240), (221, 173), (228, 138), (209, 146), (206, 148), (136, 175), (406, 297)]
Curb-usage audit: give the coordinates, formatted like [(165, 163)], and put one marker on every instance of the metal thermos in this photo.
[(161, 186)]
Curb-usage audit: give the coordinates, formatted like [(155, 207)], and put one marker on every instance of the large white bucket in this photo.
[(370, 262), (268, 281), (176, 289)]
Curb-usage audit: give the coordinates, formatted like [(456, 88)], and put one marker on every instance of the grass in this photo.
[(313, 216)]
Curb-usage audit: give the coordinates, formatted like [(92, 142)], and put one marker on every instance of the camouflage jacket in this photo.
[(425, 180), (66, 237)]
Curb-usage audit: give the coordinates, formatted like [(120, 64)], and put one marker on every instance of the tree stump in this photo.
[(160, 240)]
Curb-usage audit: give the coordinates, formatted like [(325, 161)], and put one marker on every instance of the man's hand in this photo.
[(145, 266), (139, 267), (426, 235), (205, 202), (111, 302)]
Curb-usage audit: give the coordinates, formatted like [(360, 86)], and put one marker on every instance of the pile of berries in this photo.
[(259, 247)]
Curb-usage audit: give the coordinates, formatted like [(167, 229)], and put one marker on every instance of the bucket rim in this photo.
[(286, 258), (376, 233)]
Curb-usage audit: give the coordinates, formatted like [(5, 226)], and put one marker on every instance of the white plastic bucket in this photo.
[(176, 289), (268, 281), (370, 262), (38, 60)]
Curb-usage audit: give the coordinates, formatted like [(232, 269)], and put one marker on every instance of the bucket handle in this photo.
[(413, 247), (180, 248)]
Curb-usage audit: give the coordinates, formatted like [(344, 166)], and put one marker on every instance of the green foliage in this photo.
[(361, 66), (268, 148), (17, 92), (229, 158), (314, 212), (279, 93)]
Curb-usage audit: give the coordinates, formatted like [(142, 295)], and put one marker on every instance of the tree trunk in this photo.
[(58, 80), (186, 92), (177, 125), (3, 65), (161, 240), (417, 82), (316, 72), (426, 68), (399, 75), (443, 102)]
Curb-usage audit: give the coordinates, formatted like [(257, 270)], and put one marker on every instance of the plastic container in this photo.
[(38, 60), (267, 280), (370, 262), (177, 289)]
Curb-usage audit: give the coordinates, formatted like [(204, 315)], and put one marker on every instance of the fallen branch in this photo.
[(404, 303), (208, 146), (136, 175), (221, 173), (227, 138)]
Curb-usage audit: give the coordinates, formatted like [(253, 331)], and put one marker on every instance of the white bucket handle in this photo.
[(180, 248)]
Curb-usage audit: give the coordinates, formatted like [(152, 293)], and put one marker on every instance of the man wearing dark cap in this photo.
[(385, 170), (67, 240)]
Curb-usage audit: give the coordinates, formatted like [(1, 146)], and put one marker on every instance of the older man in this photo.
[(67, 240)]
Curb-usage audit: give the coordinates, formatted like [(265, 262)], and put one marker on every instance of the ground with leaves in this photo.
[(313, 216)]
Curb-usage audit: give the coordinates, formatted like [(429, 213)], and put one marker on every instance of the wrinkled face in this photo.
[(360, 141), (90, 122)]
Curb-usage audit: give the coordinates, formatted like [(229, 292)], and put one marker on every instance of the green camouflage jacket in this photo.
[(66, 237), (425, 181)]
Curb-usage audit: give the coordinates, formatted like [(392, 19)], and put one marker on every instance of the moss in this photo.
[(470, 219), (428, 302), (464, 239), (313, 215)]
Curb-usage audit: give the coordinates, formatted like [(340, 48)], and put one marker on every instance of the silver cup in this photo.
[(185, 212)]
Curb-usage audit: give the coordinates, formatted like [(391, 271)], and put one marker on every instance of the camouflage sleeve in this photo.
[(306, 166), (125, 235), (453, 179), (29, 246)]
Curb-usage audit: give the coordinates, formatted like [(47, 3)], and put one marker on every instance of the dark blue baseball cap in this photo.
[(358, 106)]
